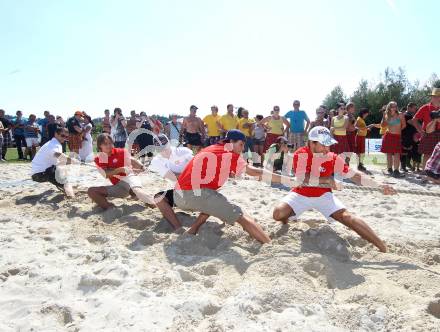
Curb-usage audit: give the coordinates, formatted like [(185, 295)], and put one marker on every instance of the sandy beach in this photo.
[(64, 267)]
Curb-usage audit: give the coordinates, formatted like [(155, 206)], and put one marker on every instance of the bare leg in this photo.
[(68, 189), (282, 212), (168, 213), (360, 227), (389, 160), (254, 230), (396, 161), (201, 219), (99, 196)]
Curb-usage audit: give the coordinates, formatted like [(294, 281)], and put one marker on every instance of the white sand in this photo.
[(63, 269)]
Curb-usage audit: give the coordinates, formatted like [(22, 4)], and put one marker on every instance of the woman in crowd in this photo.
[(339, 131), (31, 135), (277, 126), (391, 141), (119, 124), (259, 138), (86, 150), (362, 131), (276, 153)]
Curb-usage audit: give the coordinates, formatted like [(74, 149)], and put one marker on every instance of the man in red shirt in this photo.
[(313, 165), (429, 140), (120, 168), (196, 189)]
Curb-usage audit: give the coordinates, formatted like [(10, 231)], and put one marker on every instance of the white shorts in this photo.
[(32, 141), (327, 203)]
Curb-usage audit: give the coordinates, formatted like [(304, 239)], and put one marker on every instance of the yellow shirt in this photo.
[(211, 122), (383, 130), (338, 124), (362, 127), (276, 126), (229, 122), (246, 131)]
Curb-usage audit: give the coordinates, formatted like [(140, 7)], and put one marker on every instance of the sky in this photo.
[(163, 56)]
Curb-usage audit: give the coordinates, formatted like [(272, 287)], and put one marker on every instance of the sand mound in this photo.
[(64, 266)]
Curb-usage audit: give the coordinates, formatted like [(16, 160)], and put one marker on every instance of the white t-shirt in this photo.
[(179, 158), (45, 157)]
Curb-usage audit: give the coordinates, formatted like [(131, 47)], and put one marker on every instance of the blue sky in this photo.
[(163, 56)]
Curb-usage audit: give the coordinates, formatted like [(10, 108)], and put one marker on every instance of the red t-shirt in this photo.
[(118, 158), (318, 166), (210, 168), (424, 114)]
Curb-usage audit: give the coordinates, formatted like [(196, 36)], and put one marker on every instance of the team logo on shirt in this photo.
[(115, 161), (322, 169)]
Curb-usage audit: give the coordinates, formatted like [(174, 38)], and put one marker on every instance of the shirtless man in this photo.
[(193, 129)]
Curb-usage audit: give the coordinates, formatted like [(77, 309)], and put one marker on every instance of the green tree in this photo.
[(334, 97)]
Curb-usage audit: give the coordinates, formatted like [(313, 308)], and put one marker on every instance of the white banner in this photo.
[(373, 144)]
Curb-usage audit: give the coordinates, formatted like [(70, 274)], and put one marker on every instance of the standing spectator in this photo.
[(259, 139), (193, 129), (52, 126), (339, 130), (2, 130), (429, 140), (322, 119), (228, 121), (43, 123), (145, 137), (31, 135), (391, 142), (351, 130), (212, 123), (106, 127), (131, 122), (62, 124), (409, 142), (119, 124), (86, 150), (75, 132), (246, 126), (157, 125), (362, 131), (173, 130), (20, 141), (277, 126), (297, 131), (132, 126), (7, 125)]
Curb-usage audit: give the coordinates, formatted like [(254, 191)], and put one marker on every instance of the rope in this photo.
[(348, 186)]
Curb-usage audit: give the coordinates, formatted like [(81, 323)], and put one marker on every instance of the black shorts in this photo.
[(48, 176), (169, 196), (193, 139)]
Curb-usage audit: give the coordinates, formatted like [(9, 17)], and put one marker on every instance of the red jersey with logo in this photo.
[(424, 114), (210, 168), (117, 158), (305, 163)]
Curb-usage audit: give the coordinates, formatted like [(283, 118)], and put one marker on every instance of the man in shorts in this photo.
[(196, 188), (316, 164), (194, 130), (120, 168)]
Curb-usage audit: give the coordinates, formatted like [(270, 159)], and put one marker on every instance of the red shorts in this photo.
[(270, 139), (360, 144), (391, 143), (341, 146)]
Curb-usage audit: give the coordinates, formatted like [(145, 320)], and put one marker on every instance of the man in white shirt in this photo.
[(171, 160), (44, 164)]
